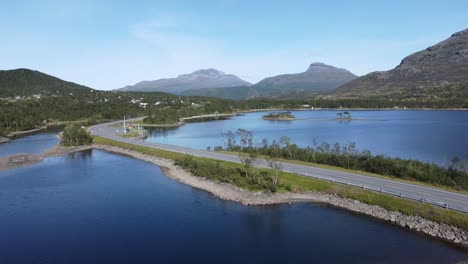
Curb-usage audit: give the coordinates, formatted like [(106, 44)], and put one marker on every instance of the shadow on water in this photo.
[(80, 155), (257, 222), (206, 119), (162, 131)]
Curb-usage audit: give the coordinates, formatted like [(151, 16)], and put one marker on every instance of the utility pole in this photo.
[(124, 126)]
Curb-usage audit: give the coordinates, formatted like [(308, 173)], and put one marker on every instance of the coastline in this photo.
[(207, 116), (184, 120), (4, 140), (178, 124), (24, 159), (229, 192), (352, 109), (279, 118), (181, 123), (26, 132)]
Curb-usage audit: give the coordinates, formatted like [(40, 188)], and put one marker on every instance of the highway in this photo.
[(438, 197)]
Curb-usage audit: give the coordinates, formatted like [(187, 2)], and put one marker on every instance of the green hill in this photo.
[(25, 82)]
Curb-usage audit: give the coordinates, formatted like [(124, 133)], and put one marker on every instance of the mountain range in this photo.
[(206, 78), (319, 77), (438, 71)]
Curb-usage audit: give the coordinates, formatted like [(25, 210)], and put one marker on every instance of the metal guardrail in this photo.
[(382, 190)]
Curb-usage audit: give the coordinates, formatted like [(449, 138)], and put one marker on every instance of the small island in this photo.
[(279, 116), (343, 116)]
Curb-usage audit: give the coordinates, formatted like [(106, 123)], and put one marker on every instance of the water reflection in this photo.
[(161, 131), (80, 155), (258, 222), (97, 207)]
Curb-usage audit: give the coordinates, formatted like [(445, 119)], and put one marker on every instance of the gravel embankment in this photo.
[(4, 139)]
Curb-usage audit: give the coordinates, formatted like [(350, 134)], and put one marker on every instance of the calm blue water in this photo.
[(435, 136), (96, 207), (32, 144)]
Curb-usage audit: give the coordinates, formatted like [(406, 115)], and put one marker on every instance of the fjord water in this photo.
[(434, 136), (31, 144), (97, 207)]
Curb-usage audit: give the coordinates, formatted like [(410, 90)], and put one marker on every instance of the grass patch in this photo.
[(132, 134), (234, 173)]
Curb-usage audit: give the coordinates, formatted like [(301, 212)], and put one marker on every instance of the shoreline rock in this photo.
[(25, 159), (26, 132), (232, 193), (4, 140), (279, 118)]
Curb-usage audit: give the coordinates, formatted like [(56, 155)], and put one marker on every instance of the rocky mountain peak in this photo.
[(318, 64), (452, 50), (460, 33), (320, 67), (209, 72), (204, 78), (437, 71)]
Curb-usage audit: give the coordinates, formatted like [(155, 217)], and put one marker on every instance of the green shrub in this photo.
[(74, 135), (348, 157)]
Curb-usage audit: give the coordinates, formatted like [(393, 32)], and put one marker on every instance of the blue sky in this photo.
[(110, 44)]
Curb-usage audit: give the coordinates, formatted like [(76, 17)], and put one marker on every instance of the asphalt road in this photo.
[(435, 196)]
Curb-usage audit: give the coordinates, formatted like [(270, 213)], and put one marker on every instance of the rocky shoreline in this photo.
[(4, 139), (26, 132), (279, 118), (186, 120), (25, 159), (232, 193)]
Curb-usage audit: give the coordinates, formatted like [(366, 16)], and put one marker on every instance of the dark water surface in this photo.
[(96, 207), (435, 136), (31, 144)]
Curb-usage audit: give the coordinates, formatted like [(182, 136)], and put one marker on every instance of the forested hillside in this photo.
[(25, 82), (29, 99), (40, 99)]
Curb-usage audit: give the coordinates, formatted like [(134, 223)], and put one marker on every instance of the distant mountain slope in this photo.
[(438, 71), (209, 78), (235, 93), (318, 77), (25, 82)]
